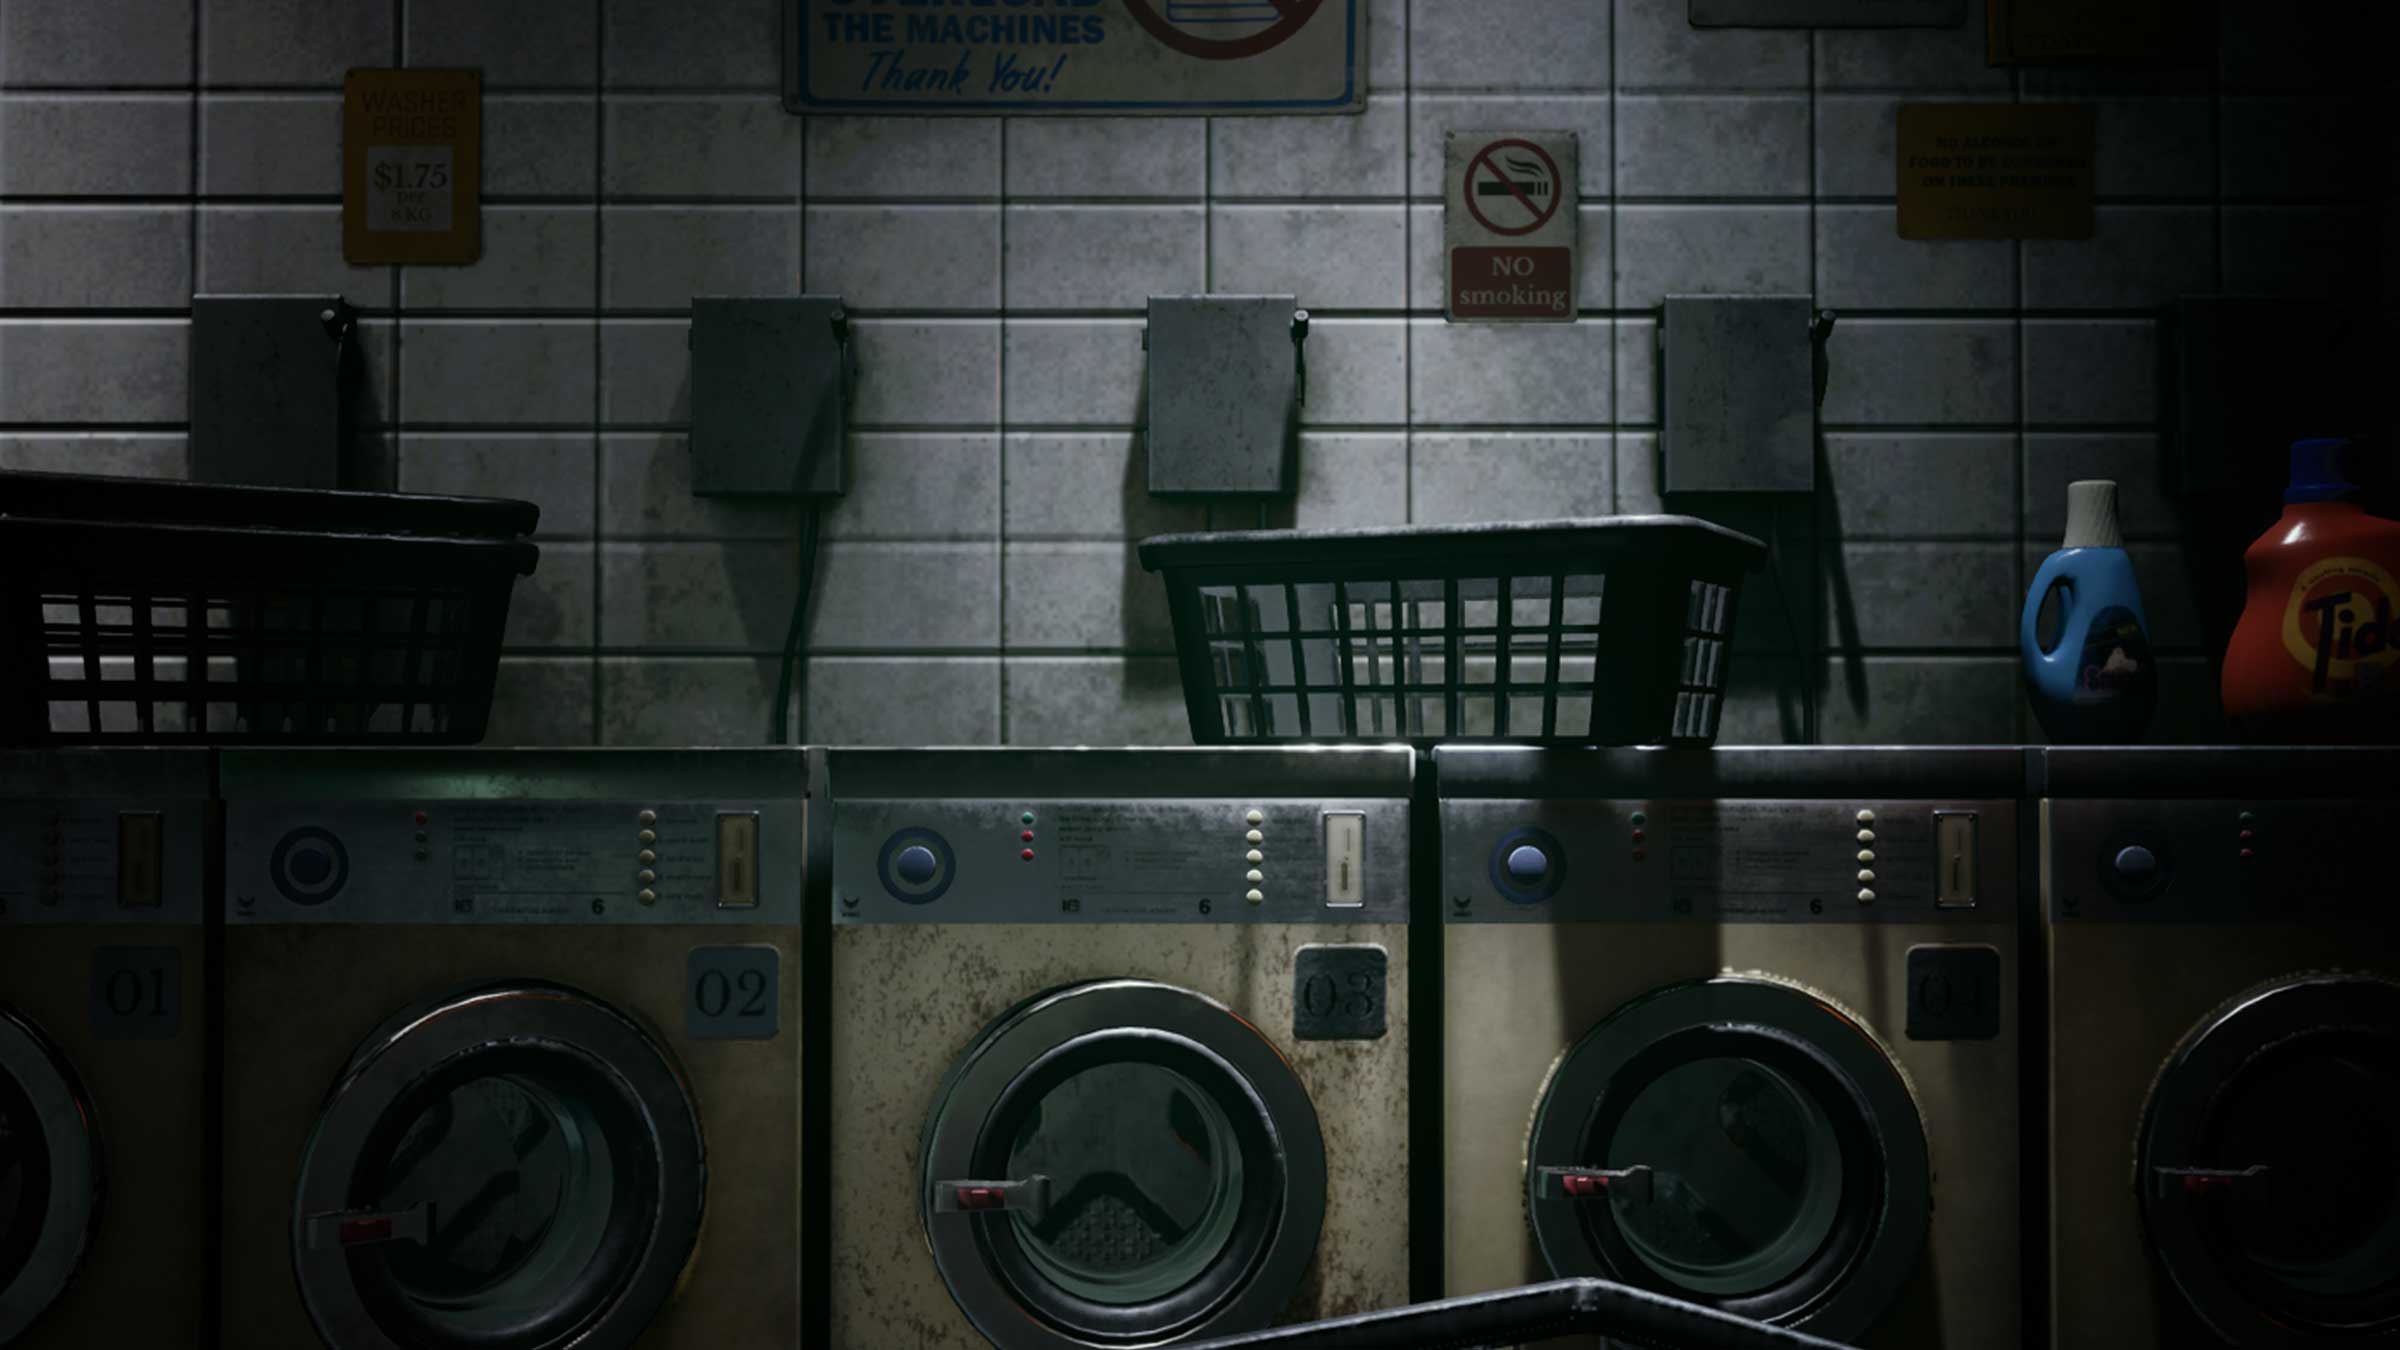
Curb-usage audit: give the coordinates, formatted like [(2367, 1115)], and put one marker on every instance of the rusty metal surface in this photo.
[(910, 998), (299, 1000), (1518, 996), (142, 1279)]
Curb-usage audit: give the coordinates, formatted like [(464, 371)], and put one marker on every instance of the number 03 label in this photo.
[(733, 994)]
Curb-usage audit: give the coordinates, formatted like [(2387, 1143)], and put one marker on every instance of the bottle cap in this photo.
[(2092, 515), (2317, 471)]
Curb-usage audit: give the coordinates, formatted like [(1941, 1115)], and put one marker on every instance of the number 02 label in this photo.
[(732, 994)]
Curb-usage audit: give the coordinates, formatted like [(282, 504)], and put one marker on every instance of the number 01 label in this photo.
[(137, 993), (732, 994)]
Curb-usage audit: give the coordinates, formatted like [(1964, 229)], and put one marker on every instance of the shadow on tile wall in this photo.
[(978, 584)]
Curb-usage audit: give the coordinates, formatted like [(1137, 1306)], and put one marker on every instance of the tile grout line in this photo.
[(1616, 394), (193, 189), (1810, 657), (1408, 326), (799, 712), (2017, 386), (599, 365), (1000, 451)]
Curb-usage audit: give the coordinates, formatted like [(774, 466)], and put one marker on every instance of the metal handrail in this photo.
[(1512, 1316)]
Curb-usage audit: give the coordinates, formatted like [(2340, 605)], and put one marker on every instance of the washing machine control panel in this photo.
[(2217, 860), (513, 861), (1228, 860), (1719, 860), (101, 861)]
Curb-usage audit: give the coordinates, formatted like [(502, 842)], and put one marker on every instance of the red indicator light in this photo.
[(982, 1197), (2249, 853), (356, 1232), (1027, 836), (1638, 855), (420, 817), (1027, 855), (2248, 835), (1639, 836), (1582, 1187)]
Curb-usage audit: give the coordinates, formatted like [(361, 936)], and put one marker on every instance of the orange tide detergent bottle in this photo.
[(2316, 656)]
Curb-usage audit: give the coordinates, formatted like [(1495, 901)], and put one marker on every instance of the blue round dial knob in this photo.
[(1527, 863), (2136, 864), (311, 865), (915, 865)]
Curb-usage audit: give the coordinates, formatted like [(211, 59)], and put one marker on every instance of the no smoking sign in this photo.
[(1508, 225)]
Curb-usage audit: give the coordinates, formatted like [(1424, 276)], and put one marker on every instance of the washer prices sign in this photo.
[(1075, 56), (1508, 225)]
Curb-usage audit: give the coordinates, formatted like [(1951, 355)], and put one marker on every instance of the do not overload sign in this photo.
[(1508, 225)]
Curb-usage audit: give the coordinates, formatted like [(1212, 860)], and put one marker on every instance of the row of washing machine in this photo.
[(1095, 1048)]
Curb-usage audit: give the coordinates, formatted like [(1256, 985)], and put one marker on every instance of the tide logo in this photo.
[(2339, 626)]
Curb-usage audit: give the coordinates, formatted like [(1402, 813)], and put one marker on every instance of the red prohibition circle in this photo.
[(1541, 215), (1292, 16)]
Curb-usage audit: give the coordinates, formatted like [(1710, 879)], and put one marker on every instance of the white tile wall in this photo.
[(978, 583)]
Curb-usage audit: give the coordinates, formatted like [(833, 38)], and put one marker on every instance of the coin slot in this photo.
[(1954, 859), (140, 862), (737, 860), (1345, 859)]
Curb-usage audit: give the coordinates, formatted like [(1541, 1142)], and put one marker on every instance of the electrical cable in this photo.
[(796, 632), (1805, 649)]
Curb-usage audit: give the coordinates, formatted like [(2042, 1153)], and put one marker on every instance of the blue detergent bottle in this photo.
[(2094, 680)]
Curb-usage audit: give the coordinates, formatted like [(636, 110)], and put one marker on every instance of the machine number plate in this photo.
[(1953, 993), (733, 994), (137, 993), (1338, 993)]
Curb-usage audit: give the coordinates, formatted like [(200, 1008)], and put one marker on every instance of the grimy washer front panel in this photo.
[(2225, 1036), (103, 1047), (1011, 929), (512, 1047), (1839, 926)]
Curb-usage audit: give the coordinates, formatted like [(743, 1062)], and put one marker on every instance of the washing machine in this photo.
[(1739, 1027), (104, 1015), (1119, 1046), (511, 1047), (2224, 970)]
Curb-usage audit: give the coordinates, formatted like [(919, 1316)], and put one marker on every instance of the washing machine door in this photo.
[(1738, 1143), (512, 1167), (49, 1174), (2269, 1163), (1122, 1163)]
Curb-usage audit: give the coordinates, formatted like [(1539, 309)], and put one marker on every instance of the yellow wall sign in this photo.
[(1995, 170), (412, 166)]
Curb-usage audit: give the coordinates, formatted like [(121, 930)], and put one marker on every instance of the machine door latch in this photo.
[(1029, 1197), (2203, 1180), (1595, 1183)]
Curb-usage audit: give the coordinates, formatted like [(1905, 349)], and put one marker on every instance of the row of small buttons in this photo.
[(1866, 857), (648, 857), (1254, 837)]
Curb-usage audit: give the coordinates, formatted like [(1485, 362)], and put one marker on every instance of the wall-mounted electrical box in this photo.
[(1227, 376), (770, 395), (1741, 412), (274, 379)]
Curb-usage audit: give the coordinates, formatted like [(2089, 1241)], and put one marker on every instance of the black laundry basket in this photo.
[(159, 612), (1614, 631)]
